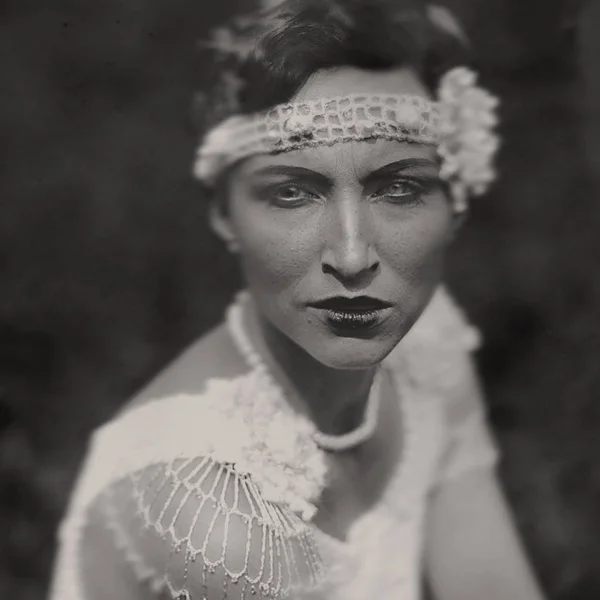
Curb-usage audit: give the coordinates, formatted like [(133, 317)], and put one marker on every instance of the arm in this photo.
[(473, 548), (106, 572), (473, 551)]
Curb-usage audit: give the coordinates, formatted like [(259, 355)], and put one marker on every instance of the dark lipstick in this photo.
[(352, 313)]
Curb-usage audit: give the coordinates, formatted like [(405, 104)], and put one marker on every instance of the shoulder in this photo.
[(213, 356), (437, 352), (455, 341), (444, 325), (435, 364), (193, 528)]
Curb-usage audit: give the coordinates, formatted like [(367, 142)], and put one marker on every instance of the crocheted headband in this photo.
[(460, 122)]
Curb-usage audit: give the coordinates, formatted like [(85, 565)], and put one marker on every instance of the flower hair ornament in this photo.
[(460, 122)]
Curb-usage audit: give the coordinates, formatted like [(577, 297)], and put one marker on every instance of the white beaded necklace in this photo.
[(334, 443)]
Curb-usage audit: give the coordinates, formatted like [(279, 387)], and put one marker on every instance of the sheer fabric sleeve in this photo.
[(195, 528), (184, 527), (105, 571)]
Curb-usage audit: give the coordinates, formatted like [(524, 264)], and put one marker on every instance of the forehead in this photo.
[(343, 81), (355, 159), (345, 162)]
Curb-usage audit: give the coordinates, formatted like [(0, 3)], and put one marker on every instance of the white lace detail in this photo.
[(213, 525)]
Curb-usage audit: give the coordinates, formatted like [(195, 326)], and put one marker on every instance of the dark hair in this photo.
[(287, 44)]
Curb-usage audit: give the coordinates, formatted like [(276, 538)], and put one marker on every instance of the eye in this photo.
[(289, 195), (400, 190)]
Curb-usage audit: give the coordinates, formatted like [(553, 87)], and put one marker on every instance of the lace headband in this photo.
[(460, 123)]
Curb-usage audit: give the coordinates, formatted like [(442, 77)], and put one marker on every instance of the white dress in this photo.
[(212, 495)]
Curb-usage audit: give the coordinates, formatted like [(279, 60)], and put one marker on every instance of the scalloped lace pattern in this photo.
[(212, 524)]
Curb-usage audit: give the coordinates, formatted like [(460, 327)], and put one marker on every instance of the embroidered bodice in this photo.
[(214, 495)]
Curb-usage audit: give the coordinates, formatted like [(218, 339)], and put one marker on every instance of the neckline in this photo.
[(403, 391), (326, 442), (405, 463)]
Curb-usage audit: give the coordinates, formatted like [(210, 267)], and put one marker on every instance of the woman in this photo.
[(328, 440)]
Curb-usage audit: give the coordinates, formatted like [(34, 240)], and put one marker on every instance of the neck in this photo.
[(334, 399)]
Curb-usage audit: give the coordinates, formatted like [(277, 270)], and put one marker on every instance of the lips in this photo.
[(351, 304), (354, 316)]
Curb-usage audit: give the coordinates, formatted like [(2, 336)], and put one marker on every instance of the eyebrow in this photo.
[(399, 165), (292, 170), (389, 169)]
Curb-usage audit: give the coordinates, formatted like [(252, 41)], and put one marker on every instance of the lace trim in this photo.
[(261, 439), (209, 518)]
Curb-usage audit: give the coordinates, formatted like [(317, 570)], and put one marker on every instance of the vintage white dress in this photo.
[(212, 495)]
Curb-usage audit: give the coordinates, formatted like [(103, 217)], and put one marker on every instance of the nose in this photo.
[(349, 253)]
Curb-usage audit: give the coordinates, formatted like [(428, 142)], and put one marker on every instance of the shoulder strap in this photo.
[(161, 431)]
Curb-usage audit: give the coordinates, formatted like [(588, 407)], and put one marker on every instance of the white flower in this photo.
[(468, 143)]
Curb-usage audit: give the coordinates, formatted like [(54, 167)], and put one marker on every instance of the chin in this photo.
[(352, 353)]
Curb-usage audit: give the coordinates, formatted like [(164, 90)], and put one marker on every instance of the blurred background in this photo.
[(107, 268)]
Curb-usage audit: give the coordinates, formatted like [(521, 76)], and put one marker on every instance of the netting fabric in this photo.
[(197, 529)]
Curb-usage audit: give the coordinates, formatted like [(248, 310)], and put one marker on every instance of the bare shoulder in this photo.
[(214, 355)]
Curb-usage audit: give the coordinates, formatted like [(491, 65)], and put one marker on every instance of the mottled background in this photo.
[(107, 268)]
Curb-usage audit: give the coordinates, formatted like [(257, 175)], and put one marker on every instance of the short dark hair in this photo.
[(290, 42)]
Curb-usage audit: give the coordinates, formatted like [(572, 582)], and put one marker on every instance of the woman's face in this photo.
[(342, 246)]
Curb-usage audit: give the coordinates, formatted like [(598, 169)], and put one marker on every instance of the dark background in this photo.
[(107, 268)]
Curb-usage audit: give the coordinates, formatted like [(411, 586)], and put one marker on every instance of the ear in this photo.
[(458, 220), (221, 225)]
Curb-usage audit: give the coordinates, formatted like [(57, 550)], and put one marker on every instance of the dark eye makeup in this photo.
[(403, 182), (404, 188), (289, 194)]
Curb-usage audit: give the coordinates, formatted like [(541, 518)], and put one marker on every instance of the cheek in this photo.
[(415, 248), (276, 247)]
